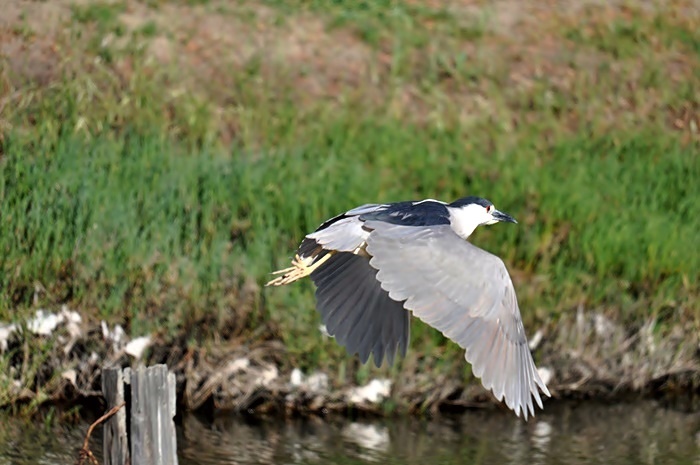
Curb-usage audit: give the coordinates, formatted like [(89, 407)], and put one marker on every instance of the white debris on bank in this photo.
[(71, 376), (44, 323), (374, 392), (240, 364), (117, 336), (296, 378), (136, 347), (315, 382), (6, 330), (268, 375), (119, 340), (536, 339), (546, 374)]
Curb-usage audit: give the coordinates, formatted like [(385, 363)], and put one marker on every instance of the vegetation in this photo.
[(167, 156)]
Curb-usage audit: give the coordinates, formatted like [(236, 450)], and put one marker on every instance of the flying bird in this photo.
[(377, 263)]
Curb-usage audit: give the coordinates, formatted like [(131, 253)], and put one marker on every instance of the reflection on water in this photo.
[(24, 443), (564, 434)]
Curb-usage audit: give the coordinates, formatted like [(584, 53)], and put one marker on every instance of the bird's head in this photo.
[(469, 212)]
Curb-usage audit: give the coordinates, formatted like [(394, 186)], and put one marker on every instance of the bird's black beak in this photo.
[(504, 217)]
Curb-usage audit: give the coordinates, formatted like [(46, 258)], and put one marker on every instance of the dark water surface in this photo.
[(564, 434)]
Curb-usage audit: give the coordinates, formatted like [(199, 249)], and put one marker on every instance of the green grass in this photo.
[(137, 228), (626, 36), (103, 13), (120, 198), (389, 21)]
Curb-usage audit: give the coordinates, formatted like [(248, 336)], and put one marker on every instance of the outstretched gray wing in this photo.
[(357, 311), (467, 294)]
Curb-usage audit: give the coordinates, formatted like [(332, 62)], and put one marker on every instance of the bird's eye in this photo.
[(488, 209)]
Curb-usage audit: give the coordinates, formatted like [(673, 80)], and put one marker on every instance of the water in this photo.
[(565, 434)]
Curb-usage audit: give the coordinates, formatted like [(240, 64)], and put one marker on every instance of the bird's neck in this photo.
[(463, 221)]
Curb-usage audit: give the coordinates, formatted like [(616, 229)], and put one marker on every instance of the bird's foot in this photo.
[(301, 267)]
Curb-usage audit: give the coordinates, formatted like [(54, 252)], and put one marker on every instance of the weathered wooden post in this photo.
[(152, 411), (114, 440), (152, 430)]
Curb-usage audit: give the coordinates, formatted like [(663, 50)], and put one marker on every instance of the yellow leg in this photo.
[(300, 268)]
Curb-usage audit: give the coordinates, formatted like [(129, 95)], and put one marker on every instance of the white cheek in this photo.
[(465, 220)]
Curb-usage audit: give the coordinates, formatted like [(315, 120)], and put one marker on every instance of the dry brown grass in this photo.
[(524, 46)]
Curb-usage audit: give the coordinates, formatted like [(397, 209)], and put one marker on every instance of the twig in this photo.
[(85, 453)]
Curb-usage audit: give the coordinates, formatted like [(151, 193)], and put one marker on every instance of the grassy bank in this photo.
[(154, 172)]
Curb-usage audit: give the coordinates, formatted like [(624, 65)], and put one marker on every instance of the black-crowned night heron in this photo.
[(375, 263)]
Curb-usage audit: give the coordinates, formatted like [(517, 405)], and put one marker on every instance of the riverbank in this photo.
[(587, 356), (159, 159)]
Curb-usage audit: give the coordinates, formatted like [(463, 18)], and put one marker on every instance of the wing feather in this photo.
[(357, 311), (344, 235), (467, 294)]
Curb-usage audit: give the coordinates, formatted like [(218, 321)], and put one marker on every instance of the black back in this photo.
[(426, 213), (412, 213)]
